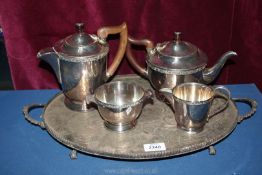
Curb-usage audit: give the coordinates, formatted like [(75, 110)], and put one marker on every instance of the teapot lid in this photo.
[(81, 45), (176, 55)]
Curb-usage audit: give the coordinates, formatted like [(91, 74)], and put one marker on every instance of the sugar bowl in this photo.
[(120, 104)]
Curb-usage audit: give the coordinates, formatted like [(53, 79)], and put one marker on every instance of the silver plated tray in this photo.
[(86, 132)]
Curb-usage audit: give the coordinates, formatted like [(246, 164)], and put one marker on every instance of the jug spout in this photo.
[(48, 55), (209, 74)]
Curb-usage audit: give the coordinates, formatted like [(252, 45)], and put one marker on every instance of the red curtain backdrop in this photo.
[(215, 26)]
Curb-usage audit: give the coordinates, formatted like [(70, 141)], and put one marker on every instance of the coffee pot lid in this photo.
[(177, 54), (81, 45)]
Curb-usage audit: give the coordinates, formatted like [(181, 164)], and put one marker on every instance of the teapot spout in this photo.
[(48, 55), (209, 74)]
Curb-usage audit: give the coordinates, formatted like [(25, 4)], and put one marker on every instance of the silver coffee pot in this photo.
[(80, 62), (174, 62)]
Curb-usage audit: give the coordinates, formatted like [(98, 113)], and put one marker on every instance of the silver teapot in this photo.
[(174, 62), (80, 62)]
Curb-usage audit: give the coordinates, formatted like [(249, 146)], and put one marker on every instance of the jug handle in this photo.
[(130, 57), (122, 30)]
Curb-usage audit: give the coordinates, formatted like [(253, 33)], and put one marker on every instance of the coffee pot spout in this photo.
[(48, 55), (209, 74)]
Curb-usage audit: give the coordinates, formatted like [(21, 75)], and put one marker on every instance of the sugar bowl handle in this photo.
[(26, 111), (103, 33), (148, 94)]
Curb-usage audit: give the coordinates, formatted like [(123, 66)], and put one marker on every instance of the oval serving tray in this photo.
[(86, 132)]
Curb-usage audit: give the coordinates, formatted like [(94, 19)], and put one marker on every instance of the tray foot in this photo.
[(212, 150), (73, 154)]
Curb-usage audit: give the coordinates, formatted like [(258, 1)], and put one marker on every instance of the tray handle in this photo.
[(252, 103), (26, 111)]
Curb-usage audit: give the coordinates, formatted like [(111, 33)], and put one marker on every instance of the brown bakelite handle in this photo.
[(144, 42), (103, 33)]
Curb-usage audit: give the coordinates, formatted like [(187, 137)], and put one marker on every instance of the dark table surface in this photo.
[(27, 149)]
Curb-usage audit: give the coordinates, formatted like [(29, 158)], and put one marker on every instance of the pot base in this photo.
[(191, 130), (78, 106), (120, 127)]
